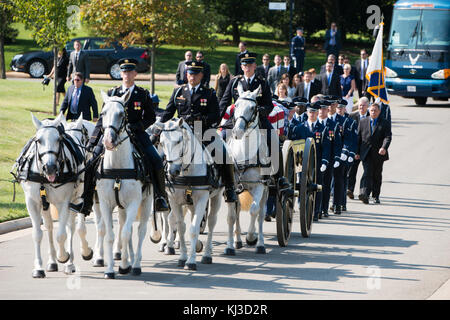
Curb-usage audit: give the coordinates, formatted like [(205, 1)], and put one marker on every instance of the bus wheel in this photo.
[(420, 101)]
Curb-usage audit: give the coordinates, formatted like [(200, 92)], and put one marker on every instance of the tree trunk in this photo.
[(152, 67), (55, 59), (236, 33), (2, 58)]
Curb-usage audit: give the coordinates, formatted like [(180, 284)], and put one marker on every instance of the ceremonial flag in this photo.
[(375, 74)]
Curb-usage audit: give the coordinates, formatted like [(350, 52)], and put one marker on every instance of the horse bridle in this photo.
[(253, 116), (56, 153), (182, 150), (121, 127)]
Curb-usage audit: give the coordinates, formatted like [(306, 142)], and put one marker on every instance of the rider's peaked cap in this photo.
[(127, 64), (194, 66), (247, 57)]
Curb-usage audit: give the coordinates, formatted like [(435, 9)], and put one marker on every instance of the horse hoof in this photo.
[(199, 246), (230, 252), (169, 251), (99, 263), (64, 261), (181, 263), (156, 236), (177, 245), (109, 275), (261, 249), (136, 271), (52, 267), (124, 271), (38, 274), (207, 260), (162, 246), (89, 256), (190, 266), (238, 244), (69, 269), (117, 256), (251, 242)]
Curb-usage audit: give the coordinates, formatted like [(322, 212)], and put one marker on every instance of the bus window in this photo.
[(405, 28), (435, 29)]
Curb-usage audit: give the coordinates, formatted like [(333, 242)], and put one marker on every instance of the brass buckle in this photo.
[(117, 185)]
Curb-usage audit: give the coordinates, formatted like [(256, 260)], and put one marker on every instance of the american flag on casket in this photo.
[(278, 117)]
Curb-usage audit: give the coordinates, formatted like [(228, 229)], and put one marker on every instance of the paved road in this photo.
[(396, 250)]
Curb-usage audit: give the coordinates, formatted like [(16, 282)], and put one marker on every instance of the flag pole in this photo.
[(382, 63)]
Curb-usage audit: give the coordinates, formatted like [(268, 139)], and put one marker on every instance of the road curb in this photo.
[(14, 225)]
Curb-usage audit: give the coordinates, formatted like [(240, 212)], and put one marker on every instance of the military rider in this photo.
[(140, 115), (250, 81), (194, 102)]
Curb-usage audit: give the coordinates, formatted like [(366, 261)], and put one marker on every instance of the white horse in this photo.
[(246, 142), (126, 191), (49, 176), (187, 160), (80, 131)]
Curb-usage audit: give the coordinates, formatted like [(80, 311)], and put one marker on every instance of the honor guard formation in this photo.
[(285, 135)]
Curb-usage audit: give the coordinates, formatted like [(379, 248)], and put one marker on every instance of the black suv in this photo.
[(103, 58)]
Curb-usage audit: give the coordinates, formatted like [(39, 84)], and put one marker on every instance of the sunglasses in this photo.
[(76, 79)]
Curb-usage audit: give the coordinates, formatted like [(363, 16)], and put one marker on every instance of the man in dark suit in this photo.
[(237, 65), (263, 70), (336, 67), (331, 83), (361, 66), (361, 113), (374, 138), (79, 99), (332, 40), (180, 76), (307, 88), (206, 69), (290, 70), (78, 62)]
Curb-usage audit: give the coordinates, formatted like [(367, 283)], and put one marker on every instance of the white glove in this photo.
[(350, 159), (155, 129), (323, 168), (343, 157), (336, 164)]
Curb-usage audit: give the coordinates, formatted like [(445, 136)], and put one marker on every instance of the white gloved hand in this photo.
[(155, 129), (336, 164), (323, 168), (343, 156), (350, 159)]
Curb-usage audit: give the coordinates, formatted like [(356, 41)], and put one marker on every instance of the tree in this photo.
[(6, 33), (236, 14), (150, 23), (49, 21)]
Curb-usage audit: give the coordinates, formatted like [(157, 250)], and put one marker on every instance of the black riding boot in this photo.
[(228, 181), (88, 193), (279, 177), (159, 184)]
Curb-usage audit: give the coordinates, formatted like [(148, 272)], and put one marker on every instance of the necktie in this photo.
[(249, 82), (372, 126), (329, 78), (76, 59), (74, 105), (278, 72)]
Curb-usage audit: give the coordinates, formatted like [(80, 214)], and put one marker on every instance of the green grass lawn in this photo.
[(17, 100)]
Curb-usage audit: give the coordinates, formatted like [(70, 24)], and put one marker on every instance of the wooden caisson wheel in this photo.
[(285, 198), (308, 187)]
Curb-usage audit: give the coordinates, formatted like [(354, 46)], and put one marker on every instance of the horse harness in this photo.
[(62, 178)]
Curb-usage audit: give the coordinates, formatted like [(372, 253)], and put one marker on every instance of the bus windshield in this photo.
[(414, 28)]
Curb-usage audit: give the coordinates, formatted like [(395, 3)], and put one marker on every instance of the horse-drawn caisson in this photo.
[(54, 164)]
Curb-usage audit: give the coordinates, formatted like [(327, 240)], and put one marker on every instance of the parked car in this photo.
[(103, 58)]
